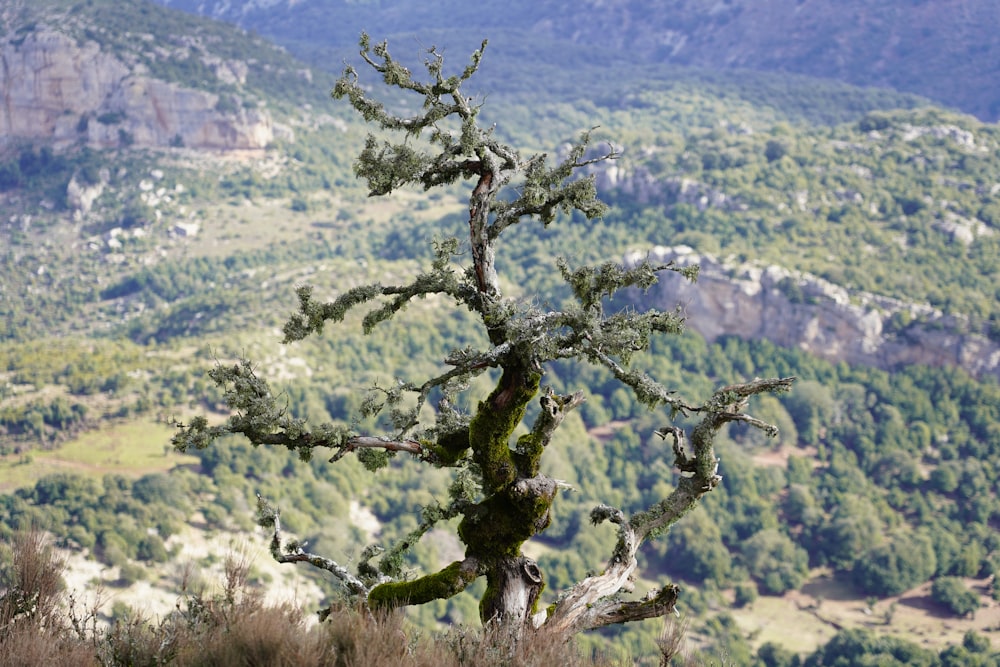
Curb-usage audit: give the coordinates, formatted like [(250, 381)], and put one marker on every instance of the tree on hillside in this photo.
[(500, 492)]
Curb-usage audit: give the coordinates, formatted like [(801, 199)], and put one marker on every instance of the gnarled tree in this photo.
[(500, 491)]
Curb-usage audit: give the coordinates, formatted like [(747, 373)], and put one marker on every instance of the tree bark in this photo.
[(512, 589)]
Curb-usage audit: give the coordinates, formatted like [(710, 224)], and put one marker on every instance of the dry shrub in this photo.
[(231, 628), (33, 627), (671, 644), (498, 646), (358, 639), (355, 637), (234, 628)]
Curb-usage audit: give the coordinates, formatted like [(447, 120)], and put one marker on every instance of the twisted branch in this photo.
[(589, 604)]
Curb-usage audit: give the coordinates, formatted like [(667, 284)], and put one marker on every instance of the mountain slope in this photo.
[(108, 74), (923, 229), (944, 50)]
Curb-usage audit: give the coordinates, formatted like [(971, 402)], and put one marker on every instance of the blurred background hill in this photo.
[(947, 51)]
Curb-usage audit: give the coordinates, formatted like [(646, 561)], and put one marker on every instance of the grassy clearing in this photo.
[(803, 620), (239, 226), (132, 448)]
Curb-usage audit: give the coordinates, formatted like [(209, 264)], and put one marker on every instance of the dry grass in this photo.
[(232, 628)]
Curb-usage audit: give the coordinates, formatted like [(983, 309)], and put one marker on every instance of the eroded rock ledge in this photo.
[(794, 309), (55, 89)]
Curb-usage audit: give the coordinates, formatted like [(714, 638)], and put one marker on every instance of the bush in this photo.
[(975, 642), (952, 594), (10, 176), (776, 562), (746, 593), (775, 150), (112, 549), (863, 647), (891, 568), (227, 104), (111, 117), (130, 573), (694, 549), (151, 548), (774, 655)]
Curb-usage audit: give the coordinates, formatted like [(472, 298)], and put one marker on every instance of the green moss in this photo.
[(439, 586), (494, 423), (450, 447), (489, 595), (496, 528), (528, 454), (538, 597)]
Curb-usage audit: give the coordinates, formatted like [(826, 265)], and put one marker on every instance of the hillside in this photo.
[(108, 75), (946, 51), (130, 264)]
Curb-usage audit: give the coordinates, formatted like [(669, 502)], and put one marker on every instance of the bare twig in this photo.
[(293, 553)]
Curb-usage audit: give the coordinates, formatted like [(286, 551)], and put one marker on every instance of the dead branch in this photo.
[(588, 605)]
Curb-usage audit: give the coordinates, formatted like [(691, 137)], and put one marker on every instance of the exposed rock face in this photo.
[(639, 184), (55, 89), (81, 197), (793, 309)]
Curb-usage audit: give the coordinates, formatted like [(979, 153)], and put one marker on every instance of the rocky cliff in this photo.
[(57, 88), (794, 309)]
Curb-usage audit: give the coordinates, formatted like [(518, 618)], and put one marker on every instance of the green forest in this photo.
[(880, 481)]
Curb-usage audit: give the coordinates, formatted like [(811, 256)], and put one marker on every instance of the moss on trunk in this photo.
[(496, 418), (438, 586)]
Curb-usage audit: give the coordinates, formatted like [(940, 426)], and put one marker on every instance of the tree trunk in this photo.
[(512, 589)]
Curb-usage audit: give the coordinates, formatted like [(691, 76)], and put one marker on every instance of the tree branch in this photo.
[(442, 585), (374, 442), (528, 454), (269, 517), (649, 392), (546, 191), (585, 605)]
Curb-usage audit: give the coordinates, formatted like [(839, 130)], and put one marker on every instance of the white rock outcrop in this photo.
[(793, 309), (56, 89), (80, 196)]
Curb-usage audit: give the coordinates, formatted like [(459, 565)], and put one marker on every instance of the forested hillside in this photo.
[(946, 51), (880, 493)]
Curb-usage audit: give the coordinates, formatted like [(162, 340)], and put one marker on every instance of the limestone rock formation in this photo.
[(57, 89), (794, 309), (81, 196)]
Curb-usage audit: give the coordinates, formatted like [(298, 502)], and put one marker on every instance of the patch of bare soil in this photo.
[(604, 432), (198, 566), (779, 457), (805, 619)]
